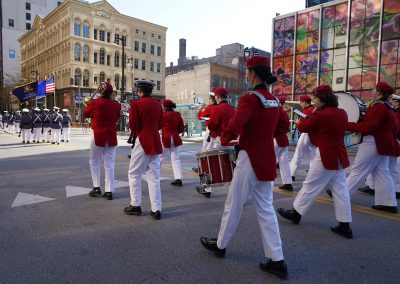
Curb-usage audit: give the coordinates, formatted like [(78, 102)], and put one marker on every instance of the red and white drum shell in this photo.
[(216, 165)]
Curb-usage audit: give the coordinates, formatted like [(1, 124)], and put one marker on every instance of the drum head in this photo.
[(349, 105)]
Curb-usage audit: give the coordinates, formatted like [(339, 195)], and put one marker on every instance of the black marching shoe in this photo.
[(329, 192), (290, 214), (33, 141), (367, 190), (156, 215), (277, 165), (108, 195), (133, 210), (202, 192), (23, 141), (62, 140), (343, 229), (287, 187), (95, 192), (177, 182), (53, 142), (211, 244), (389, 209), (277, 268), (27, 142), (293, 178), (37, 142)]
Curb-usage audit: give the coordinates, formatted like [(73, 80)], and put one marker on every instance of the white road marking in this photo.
[(23, 199), (71, 190)]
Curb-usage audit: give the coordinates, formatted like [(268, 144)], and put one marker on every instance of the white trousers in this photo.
[(56, 135), (46, 136), (317, 179), (96, 155), (244, 184), (205, 138), (173, 152), (11, 128), (394, 172), (150, 164), (369, 161), (17, 127), (26, 135), (66, 133), (36, 134), (282, 155), (304, 149)]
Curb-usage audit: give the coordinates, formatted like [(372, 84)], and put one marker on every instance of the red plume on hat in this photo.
[(324, 89), (257, 60), (220, 91), (384, 88), (167, 102), (305, 98)]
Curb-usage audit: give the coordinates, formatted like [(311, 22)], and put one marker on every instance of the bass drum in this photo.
[(352, 105)]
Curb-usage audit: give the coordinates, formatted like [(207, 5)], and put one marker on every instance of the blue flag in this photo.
[(26, 92), (41, 89)]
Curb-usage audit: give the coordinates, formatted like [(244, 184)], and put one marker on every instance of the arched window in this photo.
[(116, 59), (102, 55), (86, 29), (116, 81), (85, 53), (77, 52), (102, 77), (77, 77), (85, 81), (77, 27)]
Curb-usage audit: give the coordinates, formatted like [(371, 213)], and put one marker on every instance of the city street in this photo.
[(51, 231)]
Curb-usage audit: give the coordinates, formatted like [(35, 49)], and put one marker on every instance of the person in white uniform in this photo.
[(17, 122), (26, 125), (46, 125), (37, 125), (66, 125), (56, 126)]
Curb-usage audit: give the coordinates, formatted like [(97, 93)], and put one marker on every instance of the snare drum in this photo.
[(216, 166), (352, 105)]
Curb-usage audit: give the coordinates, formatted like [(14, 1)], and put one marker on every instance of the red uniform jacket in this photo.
[(378, 122), (396, 133), (104, 114), (326, 128), (219, 118), (282, 129), (256, 127), (309, 110), (145, 119), (172, 126), (205, 113)]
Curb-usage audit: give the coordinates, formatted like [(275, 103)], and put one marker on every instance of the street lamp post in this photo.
[(117, 39), (131, 62), (36, 77)]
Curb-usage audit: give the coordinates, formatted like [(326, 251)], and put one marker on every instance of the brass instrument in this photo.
[(97, 93)]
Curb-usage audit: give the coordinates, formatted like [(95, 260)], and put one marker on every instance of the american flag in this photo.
[(50, 85)]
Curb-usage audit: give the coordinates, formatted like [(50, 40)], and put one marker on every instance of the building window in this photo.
[(151, 66), (108, 59), (158, 85), (158, 67), (28, 26), (28, 16), (95, 33), (102, 55), (116, 39), (77, 52), (77, 28), (77, 77), (95, 80), (116, 59), (152, 49), (95, 57), (10, 22), (59, 3), (102, 76), (116, 81), (11, 53), (159, 50), (85, 81), (136, 65), (27, 6), (143, 64), (159, 37), (136, 46), (143, 47), (108, 36), (102, 35), (86, 32), (85, 53), (144, 33)]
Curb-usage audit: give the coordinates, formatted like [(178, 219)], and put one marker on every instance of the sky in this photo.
[(208, 24)]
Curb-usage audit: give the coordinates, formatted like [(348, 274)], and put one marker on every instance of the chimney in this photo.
[(182, 48)]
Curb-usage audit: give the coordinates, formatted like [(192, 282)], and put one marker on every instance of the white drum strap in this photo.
[(266, 103)]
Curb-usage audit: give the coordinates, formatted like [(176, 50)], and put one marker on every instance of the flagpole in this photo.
[(54, 93)]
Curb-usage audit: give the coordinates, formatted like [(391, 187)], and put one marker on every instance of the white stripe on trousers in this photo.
[(96, 155), (139, 164), (369, 161), (317, 179), (282, 155), (245, 184)]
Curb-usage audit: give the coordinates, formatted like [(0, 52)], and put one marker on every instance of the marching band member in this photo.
[(327, 167), (37, 125), (303, 147), (373, 153), (205, 112), (11, 124), (56, 126), (4, 120), (281, 145), (145, 119), (104, 113), (66, 125), (46, 125), (18, 122), (172, 126), (26, 125), (255, 167)]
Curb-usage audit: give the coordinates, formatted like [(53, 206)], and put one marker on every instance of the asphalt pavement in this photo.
[(52, 232)]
